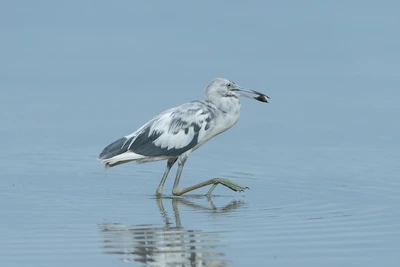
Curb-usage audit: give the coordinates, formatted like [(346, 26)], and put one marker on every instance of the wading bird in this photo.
[(176, 132)]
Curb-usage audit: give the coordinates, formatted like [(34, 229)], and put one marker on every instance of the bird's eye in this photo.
[(229, 85)]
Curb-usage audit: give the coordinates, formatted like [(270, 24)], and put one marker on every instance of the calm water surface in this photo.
[(321, 160), (313, 209)]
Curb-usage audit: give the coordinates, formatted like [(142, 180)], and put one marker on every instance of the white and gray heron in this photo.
[(176, 132)]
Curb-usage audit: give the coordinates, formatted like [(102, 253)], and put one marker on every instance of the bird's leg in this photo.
[(170, 163), (181, 162), (225, 182), (215, 181)]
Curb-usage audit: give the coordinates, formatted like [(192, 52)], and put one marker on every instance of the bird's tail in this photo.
[(109, 165), (117, 153), (115, 148)]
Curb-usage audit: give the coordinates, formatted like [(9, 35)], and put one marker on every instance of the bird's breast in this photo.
[(226, 120)]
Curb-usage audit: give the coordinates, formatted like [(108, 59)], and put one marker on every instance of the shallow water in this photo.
[(321, 160), (60, 208)]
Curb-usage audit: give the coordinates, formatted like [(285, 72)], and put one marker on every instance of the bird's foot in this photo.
[(214, 182), (228, 183)]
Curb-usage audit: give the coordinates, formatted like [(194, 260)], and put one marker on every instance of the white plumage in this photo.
[(175, 133)]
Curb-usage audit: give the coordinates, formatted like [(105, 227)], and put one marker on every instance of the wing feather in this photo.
[(174, 131), (169, 134)]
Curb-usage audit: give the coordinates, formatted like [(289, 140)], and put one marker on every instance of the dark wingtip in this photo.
[(113, 149)]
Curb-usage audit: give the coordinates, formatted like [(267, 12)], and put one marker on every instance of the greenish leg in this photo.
[(170, 163), (214, 182), (226, 182)]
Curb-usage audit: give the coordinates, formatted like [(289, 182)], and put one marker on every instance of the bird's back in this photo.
[(168, 135)]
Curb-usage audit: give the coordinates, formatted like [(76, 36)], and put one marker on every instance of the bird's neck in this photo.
[(228, 105), (229, 112)]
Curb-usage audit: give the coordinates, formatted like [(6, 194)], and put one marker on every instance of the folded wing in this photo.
[(170, 134)]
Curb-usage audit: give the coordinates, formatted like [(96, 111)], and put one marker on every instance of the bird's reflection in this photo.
[(170, 245)]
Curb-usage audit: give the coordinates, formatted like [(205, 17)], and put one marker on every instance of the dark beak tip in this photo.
[(262, 98)]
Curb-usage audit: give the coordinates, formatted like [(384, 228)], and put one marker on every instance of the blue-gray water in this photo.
[(321, 160)]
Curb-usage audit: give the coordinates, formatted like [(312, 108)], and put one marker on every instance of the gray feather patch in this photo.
[(144, 144), (118, 147)]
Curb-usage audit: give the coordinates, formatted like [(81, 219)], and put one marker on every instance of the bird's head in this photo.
[(221, 87)]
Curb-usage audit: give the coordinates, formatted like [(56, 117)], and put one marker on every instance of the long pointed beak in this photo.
[(245, 92)]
